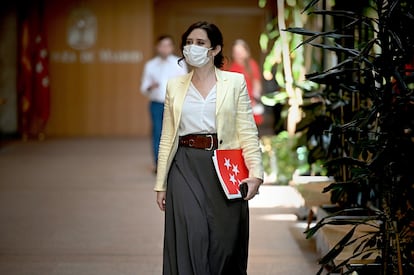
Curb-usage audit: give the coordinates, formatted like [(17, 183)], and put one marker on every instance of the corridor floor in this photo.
[(86, 207)]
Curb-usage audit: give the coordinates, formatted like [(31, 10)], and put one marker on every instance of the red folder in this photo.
[(231, 170)]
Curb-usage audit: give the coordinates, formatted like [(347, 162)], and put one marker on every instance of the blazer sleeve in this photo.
[(248, 134), (166, 144)]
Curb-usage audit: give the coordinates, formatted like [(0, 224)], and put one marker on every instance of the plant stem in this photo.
[(295, 97), (397, 240)]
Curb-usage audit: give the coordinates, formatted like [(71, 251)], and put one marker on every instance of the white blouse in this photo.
[(198, 113)]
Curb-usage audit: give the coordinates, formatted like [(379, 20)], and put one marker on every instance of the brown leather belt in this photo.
[(199, 141)]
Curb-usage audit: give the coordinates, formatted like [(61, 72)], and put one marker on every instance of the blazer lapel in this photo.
[(222, 86), (179, 96), (181, 91)]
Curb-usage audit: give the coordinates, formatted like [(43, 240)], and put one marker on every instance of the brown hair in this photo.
[(246, 62), (213, 33)]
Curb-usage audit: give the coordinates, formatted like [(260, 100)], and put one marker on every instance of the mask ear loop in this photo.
[(212, 54), (212, 48)]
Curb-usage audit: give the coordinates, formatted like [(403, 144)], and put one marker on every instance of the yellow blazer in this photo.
[(235, 124)]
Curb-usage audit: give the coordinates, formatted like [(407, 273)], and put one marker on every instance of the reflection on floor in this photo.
[(86, 207)]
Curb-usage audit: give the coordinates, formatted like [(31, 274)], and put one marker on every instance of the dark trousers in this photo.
[(157, 112), (205, 233)]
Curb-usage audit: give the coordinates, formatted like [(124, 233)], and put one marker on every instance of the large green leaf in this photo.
[(302, 31), (397, 40), (305, 32), (361, 255), (329, 77), (366, 241), (338, 248), (264, 42), (310, 5), (331, 219), (347, 161), (271, 99), (314, 35), (330, 72), (333, 186), (346, 13), (336, 48)]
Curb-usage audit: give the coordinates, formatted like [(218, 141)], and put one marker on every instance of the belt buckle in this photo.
[(211, 143)]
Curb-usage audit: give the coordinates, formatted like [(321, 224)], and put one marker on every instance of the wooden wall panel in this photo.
[(95, 90), (235, 18), (95, 94), (8, 70)]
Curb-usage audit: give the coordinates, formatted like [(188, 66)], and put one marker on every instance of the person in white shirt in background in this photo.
[(156, 73)]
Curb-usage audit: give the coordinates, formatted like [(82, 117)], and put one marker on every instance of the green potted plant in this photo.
[(284, 151), (369, 113)]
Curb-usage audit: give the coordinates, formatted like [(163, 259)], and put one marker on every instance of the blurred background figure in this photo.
[(242, 62), (156, 73)]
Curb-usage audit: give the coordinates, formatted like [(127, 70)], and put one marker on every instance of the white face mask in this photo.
[(196, 55)]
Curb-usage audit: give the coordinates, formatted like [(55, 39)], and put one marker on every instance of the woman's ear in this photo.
[(216, 50)]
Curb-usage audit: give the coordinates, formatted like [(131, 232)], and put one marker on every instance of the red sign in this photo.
[(231, 171)]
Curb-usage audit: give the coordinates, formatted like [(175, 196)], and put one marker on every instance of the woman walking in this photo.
[(242, 62), (205, 233)]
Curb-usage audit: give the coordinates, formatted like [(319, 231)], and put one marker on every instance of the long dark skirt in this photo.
[(205, 234)]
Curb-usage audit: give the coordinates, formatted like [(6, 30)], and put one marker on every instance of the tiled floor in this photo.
[(86, 207)]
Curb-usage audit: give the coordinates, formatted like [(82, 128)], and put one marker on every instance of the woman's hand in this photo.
[(253, 185), (161, 199)]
